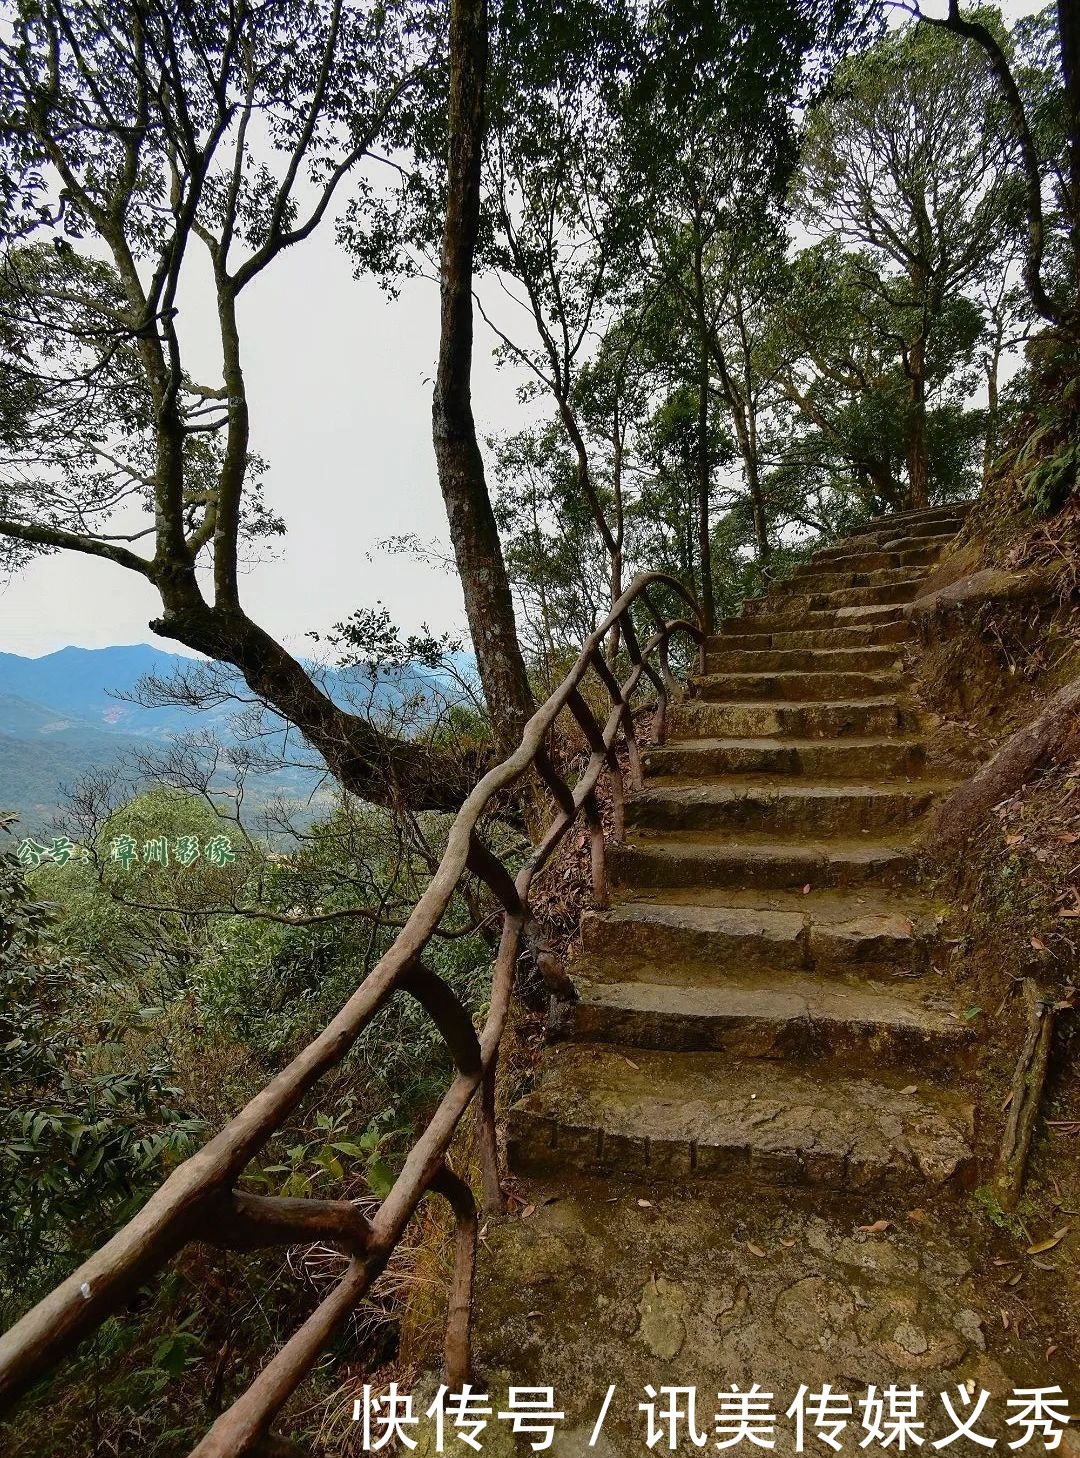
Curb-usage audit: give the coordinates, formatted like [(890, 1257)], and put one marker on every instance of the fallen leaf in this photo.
[(1004, 1318), (911, 1088), (1039, 944), (918, 1215), (878, 1227), (645, 1204), (1055, 1239), (1051, 1349), (528, 1210), (635, 1066), (787, 1244), (1015, 1280), (754, 1249), (1014, 840), (1001, 1261), (806, 889)]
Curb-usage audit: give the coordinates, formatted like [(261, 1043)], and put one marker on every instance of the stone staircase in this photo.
[(760, 1001)]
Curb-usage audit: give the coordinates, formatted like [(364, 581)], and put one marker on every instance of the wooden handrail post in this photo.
[(457, 1361), (488, 1137)]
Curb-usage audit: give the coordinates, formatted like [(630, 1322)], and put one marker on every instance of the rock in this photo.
[(662, 1328)]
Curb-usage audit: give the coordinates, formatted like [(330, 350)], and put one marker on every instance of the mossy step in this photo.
[(781, 804), (881, 758), (769, 1013), (618, 1280), (758, 859), (735, 633), (770, 615), (899, 546), (797, 685), (849, 558), (709, 1115), (822, 931), (920, 552), (878, 658), (883, 595), (824, 577), (806, 719), (946, 510)]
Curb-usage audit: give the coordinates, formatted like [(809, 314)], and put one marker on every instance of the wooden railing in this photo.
[(199, 1201)]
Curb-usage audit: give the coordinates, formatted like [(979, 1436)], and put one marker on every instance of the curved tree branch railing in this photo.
[(198, 1201)]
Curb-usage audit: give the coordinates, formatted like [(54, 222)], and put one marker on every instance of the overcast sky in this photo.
[(339, 385)]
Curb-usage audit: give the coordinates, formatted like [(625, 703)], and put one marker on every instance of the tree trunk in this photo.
[(1069, 39), (369, 764), (918, 460), (1069, 36), (704, 492), (993, 409), (618, 535), (473, 532)]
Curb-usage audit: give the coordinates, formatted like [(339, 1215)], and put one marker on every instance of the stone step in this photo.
[(891, 540), (756, 860), (827, 577), (894, 546), (797, 686), (733, 634), (900, 546), (875, 659), (848, 558), (696, 719), (784, 805), (658, 936), (680, 1116), (951, 511), (882, 595), (772, 615), (772, 1013), (882, 757)]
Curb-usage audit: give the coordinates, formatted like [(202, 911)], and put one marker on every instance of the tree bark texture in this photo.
[(473, 531)]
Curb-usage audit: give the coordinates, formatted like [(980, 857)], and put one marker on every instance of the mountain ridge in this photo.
[(66, 712)]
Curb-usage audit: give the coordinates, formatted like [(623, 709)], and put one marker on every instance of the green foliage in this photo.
[(1042, 454), (308, 1166), (130, 1023), (89, 1113)]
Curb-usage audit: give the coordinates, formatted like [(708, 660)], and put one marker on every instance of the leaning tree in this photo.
[(142, 143)]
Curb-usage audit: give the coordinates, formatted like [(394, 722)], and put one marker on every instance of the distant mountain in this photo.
[(84, 682), (61, 716)]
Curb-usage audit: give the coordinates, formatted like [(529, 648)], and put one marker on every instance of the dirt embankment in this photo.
[(997, 648)]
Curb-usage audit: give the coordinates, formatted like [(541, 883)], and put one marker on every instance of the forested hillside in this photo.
[(790, 300)]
